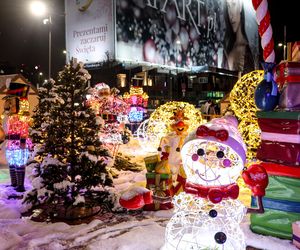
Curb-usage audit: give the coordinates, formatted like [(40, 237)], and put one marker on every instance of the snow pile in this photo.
[(127, 231), (264, 242), (133, 233), (132, 192), (9, 209)]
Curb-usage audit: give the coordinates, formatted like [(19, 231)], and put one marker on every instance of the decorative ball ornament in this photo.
[(264, 99), (265, 29), (266, 94)]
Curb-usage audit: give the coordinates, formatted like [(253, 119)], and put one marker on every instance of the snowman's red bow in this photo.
[(214, 193), (220, 134)]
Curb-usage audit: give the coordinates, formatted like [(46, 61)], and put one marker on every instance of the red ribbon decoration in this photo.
[(203, 131), (215, 194)]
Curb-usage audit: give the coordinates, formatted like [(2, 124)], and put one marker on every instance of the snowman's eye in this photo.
[(220, 154), (220, 237), (200, 152)]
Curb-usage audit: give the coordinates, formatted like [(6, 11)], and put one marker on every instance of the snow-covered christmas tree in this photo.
[(41, 118), (73, 170)]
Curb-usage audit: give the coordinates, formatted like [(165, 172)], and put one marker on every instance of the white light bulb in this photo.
[(38, 8)]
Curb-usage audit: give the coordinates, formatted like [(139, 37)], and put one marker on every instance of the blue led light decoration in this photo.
[(136, 115)]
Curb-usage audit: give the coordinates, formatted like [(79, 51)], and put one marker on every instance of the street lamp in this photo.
[(178, 43), (39, 8), (67, 55)]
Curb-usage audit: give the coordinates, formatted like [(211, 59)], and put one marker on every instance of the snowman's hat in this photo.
[(222, 130), (16, 89)]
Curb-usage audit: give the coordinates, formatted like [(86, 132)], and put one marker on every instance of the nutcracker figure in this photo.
[(15, 125)]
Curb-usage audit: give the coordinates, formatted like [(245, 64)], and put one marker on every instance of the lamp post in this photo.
[(48, 21), (178, 44), (67, 55), (39, 8)]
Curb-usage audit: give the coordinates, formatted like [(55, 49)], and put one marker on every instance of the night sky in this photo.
[(24, 37)]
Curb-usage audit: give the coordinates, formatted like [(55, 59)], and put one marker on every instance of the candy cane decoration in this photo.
[(265, 29)]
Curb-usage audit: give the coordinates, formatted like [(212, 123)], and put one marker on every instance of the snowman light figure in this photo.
[(208, 214)]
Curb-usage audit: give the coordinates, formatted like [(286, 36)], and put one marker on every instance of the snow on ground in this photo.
[(145, 231)]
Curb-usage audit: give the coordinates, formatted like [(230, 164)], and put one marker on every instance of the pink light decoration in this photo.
[(18, 126)]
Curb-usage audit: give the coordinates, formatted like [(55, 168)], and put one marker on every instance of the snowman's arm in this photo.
[(257, 179)]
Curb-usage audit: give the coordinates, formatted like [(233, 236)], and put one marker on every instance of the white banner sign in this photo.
[(89, 30)]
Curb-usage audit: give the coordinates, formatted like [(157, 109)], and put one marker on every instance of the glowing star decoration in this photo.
[(207, 214), (243, 106), (159, 123)]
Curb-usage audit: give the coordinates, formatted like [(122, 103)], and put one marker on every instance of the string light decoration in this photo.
[(207, 214), (196, 230), (242, 95), (138, 101), (251, 135), (15, 125), (243, 106), (159, 124), (112, 112)]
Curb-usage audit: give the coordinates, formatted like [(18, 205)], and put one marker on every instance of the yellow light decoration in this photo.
[(243, 106), (136, 90), (160, 121), (145, 95), (166, 111), (23, 107), (126, 95), (242, 94), (251, 135)]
